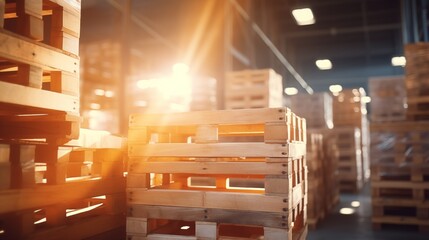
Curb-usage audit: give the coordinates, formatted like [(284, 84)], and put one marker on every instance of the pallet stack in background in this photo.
[(316, 186), (416, 81), (322, 155), (261, 88), (55, 179), (350, 113), (399, 155), (204, 94), (184, 183), (388, 96)]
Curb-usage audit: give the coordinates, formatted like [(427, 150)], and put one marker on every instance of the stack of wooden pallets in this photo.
[(350, 112), (316, 187), (388, 96), (323, 178), (347, 141), (204, 94), (50, 189), (253, 89), (76, 190), (316, 109), (399, 174), (197, 175), (416, 79), (38, 75)]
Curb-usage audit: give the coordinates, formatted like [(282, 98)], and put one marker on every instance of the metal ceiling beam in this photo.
[(272, 47), (136, 20), (337, 31)]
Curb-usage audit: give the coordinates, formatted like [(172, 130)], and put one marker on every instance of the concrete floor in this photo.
[(357, 226)]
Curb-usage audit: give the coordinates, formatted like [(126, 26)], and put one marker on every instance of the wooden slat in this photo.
[(240, 201), (41, 196), (210, 167), (27, 96), (201, 199), (245, 116), (36, 54), (217, 150), (267, 219)]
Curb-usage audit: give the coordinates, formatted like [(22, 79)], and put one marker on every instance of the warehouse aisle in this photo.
[(358, 224)]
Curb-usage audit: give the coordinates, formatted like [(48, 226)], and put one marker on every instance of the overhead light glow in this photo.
[(347, 211), (291, 91), (140, 103), (185, 227), (99, 92), (146, 83), (303, 16), (366, 99), (324, 64), (399, 61), (355, 204), (180, 68), (335, 88), (94, 106), (109, 94)]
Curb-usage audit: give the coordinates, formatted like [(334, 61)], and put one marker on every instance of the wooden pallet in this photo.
[(40, 76), (41, 199), (193, 230), (404, 190), (388, 95), (391, 172), (253, 89), (211, 182)]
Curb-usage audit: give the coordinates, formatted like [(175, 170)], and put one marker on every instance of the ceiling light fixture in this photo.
[(324, 64), (335, 88), (303, 16), (399, 61), (291, 91)]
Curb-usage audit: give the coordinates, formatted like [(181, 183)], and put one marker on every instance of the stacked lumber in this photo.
[(71, 191), (253, 89), (217, 175), (399, 174), (350, 111), (416, 80), (315, 108), (204, 94), (388, 96), (39, 75)]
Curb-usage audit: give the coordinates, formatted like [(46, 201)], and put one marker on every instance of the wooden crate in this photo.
[(219, 164), (316, 109), (253, 89), (42, 200), (39, 75), (388, 98)]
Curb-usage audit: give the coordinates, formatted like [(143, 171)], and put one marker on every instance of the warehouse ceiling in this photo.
[(359, 36)]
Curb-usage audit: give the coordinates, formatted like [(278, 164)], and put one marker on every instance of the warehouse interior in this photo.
[(214, 119)]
